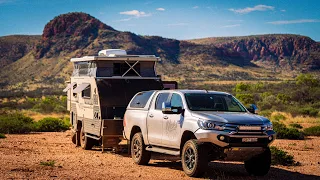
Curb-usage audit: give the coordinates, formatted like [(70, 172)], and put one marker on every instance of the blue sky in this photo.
[(185, 19)]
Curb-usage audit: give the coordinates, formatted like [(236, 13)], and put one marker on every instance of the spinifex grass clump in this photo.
[(16, 124), (2, 136), (286, 133), (312, 131), (280, 157), (50, 124)]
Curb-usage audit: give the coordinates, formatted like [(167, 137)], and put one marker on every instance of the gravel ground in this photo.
[(21, 157)]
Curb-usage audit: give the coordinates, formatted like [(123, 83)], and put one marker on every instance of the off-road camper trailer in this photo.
[(100, 90)]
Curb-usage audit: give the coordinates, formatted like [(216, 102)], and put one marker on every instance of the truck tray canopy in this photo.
[(115, 94)]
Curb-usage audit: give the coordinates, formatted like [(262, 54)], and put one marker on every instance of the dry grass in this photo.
[(304, 121), (38, 116)]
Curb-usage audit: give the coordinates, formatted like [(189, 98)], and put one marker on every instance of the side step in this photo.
[(163, 150)]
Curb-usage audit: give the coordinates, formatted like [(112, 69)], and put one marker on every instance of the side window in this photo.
[(176, 100), (74, 94), (141, 99), (86, 93), (162, 97)]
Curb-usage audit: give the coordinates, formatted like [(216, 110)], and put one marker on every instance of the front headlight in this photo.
[(210, 125), (268, 126)]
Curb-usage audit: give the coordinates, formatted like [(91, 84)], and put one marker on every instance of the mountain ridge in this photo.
[(44, 60)]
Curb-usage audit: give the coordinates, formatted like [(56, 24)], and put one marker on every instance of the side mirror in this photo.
[(253, 109), (168, 109)]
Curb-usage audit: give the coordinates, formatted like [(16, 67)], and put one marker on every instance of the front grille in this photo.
[(234, 129)]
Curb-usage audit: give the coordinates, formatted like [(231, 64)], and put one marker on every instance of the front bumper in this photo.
[(234, 140)]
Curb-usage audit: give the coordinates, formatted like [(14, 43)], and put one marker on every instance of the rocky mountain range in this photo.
[(28, 63)]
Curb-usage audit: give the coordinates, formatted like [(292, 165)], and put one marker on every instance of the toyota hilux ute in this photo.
[(199, 126)]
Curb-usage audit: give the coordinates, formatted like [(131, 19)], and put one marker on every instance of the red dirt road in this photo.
[(20, 157)]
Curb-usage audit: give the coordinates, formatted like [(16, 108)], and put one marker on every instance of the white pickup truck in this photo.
[(199, 126)]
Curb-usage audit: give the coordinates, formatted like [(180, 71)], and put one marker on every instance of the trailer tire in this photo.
[(86, 142), (74, 138), (138, 150)]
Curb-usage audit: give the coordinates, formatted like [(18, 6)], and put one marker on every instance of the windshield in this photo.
[(213, 102)]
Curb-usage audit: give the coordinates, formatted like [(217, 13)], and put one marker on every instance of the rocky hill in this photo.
[(34, 63), (275, 50), (13, 48)]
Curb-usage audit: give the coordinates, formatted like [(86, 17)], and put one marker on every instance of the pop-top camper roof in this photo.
[(116, 55), (115, 63)]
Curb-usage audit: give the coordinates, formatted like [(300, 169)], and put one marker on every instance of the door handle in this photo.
[(151, 115), (165, 117)]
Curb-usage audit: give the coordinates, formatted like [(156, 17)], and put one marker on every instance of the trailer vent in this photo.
[(112, 52)]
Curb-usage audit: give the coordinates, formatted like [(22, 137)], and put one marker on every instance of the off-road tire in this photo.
[(260, 164), (139, 153), (86, 142), (194, 158), (74, 138)]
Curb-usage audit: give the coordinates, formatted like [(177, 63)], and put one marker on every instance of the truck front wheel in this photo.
[(259, 165), (138, 150), (194, 158)]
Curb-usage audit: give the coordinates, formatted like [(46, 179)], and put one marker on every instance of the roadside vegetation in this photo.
[(16, 123), (2, 136), (312, 131), (280, 157), (45, 104), (50, 163)]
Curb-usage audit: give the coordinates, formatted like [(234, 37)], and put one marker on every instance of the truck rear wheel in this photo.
[(194, 158), (259, 165), (138, 150), (85, 142)]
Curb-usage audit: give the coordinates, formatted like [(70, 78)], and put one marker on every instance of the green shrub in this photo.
[(2, 136), (312, 131), (296, 125), (265, 113), (50, 163), (310, 111), (50, 104), (245, 98), (242, 87), (50, 124), (277, 117), (16, 124), (286, 133), (280, 157)]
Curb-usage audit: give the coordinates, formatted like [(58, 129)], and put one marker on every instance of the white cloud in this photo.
[(240, 20), (195, 7), (283, 10), (297, 21), (123, 20), (251, 9), (178, 24), (135, 13), (230, 26), (6, 1), (160, 9)]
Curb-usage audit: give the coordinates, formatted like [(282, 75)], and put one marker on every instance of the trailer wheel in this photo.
[(74, 138), (138, 150), (85, 142)]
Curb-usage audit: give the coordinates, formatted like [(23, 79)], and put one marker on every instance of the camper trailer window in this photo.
[(86, 93), (74, 94)]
